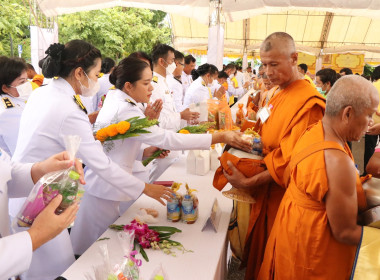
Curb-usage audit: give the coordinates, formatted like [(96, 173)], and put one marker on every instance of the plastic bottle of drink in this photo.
[(188, 215), (69, 190), (173, 210), (214, 159), (257, 147)]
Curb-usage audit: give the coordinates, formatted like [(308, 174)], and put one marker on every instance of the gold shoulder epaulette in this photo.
[(130, 101), (155, 79), (203, 83), (100, 75), (112, 88), (7, 102), (79, 102)]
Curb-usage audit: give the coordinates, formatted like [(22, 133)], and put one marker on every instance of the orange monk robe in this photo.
[(293, 110), (301, 244)]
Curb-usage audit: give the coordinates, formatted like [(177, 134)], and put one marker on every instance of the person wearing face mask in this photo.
[(57, 111), (132, 81), (201, 89), (14, 91), (175, 82), (324, 80), (233, 91), (164, 65)]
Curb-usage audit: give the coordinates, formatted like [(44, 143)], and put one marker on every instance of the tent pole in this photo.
[(215, 49)]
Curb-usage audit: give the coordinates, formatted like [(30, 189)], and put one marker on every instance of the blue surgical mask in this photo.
[(323, 92)]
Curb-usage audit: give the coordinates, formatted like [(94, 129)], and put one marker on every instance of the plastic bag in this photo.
[(64, 182), (225, 117), (159, 274), (212, 107), (240, 115)]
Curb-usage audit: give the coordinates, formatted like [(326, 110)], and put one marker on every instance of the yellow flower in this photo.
[(112, 130), (184, 131), (101, 135), (123, 126)]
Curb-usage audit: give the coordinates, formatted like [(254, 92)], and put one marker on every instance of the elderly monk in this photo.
[(294, 106), (315, 234)]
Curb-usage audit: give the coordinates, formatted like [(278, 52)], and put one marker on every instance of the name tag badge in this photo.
[(264, 114)]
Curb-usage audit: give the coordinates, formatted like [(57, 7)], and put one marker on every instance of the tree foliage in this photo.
[(117, 31)]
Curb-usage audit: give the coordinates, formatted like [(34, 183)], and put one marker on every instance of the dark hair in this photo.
[(61, 60), (107, 64), (375, 74), (128, 70), (348, 71), (178, 55), (230, 66), (142, 55), (203, 70), (303, 66), (189, 59), (222, 75), (10, 69), (161, 51), (327, 75), (30, 67)]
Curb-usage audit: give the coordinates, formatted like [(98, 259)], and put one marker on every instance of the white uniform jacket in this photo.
[(105, 86), (169, 117), (10, 121), (232, 90), (15, 250), (120, 106), (186, 82), (53, 113), (197, 92), (176, 87)]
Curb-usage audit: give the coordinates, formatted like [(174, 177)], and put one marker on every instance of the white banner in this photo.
[(215, 46)]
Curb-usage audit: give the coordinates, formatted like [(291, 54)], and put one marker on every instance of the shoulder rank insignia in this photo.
[(130, 102), (7, 103), (79, 102), (155, 79), (203, 83), (100, 75), (112, 88)]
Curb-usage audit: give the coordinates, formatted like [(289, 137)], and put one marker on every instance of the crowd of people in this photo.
[(304, 222)]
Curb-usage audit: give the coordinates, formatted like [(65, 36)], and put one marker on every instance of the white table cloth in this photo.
[(208, 261)]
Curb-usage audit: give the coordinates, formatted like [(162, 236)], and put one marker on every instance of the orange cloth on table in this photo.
[(248, 167), (38, 79), (294, 109), (301, 244)]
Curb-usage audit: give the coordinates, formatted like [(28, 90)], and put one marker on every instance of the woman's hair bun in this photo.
[(52, 62), (112, 77)]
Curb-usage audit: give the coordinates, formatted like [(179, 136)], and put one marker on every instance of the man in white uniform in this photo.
[(170, 118), (175, 83), (186, 74), (232, 91), (17, 180)]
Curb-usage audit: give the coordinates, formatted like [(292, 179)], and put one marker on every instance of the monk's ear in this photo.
[(347, 114), (294, 58)]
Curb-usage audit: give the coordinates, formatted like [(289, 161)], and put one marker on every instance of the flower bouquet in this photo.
[(156, 237), (64, 182)]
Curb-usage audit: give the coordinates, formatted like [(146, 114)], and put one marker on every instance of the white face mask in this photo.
[(92, 89), (24, 90), (170, 69)]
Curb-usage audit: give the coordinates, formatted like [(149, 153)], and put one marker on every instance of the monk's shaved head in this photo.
[(279, 40), (352, 90)]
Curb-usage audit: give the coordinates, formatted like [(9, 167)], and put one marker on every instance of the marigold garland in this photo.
[(112, 130), (122, 127), (184, 131), (101, 134)]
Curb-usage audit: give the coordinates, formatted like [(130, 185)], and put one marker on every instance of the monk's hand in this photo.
[(374, 130), (235, 177), (234, 139)]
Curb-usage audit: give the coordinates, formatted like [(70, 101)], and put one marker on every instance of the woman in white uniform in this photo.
[(200, 89), (132, 79), (14, 91), (57, 111)]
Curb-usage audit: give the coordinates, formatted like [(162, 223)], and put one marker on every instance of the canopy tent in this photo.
[(331, 26)]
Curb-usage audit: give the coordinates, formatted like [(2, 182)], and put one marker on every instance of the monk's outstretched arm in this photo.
[(373, 166), (341, 198)]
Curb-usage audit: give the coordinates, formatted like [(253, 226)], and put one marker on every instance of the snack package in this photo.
[(159, 274), (240, 115), (212, 106), (225, 117), (64, 182)]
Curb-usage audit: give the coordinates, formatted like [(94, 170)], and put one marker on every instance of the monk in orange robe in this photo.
[(294, 106), (315, 234)]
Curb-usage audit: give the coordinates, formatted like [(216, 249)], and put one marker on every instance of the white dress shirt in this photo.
[(186, 82), (176, 87), (197, 92)]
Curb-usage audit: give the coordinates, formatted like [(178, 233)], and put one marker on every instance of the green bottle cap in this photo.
[(158, 277), (74, 175)]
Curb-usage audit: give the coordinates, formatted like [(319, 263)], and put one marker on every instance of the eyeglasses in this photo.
[(182, 64)]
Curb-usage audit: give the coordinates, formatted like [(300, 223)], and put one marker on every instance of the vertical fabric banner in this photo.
[(215, 50), (40, 40)]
